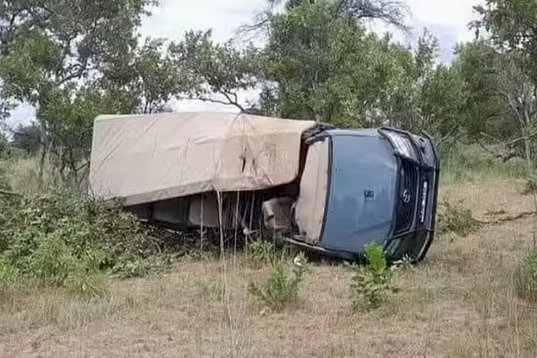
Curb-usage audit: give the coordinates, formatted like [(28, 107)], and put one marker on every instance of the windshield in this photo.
[(362, 192)]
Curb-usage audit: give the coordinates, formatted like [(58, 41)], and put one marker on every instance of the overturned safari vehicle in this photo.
[(329, 190)]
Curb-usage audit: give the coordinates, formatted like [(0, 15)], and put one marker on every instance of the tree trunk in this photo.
[(42, 158), (527, 151)]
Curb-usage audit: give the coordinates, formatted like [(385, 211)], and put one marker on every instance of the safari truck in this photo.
[(329, 190)]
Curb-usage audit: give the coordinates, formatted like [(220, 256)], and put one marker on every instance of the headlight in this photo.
[(402, 145)]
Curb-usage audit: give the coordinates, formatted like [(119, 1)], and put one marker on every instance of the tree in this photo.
[(146, 77), (442, 103), (323, 64), (437, 97), (47, 44), (69, 116), (391, 12), (501, 105), (397, 102), (214, 69), (512, 25), (483, 112), (52, 50), (518, 92), (27, 138), (327, 67)]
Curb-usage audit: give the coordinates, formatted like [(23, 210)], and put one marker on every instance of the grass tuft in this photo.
[(471, 164), (282, 287), (260, 253), (526, 277), (371, 283), (454, 217)]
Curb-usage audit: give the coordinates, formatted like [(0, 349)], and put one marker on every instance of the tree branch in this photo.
[(214, 100), (448, 135), (234, 101), (391, 12), (490, 151), (511, 141)]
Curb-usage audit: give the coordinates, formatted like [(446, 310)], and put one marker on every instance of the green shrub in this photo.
[(372, 282), (260, 253), (52, 261), (282, 287), (526, 277), (64, 240), (454, 217)]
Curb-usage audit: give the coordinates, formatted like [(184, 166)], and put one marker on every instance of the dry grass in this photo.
[(459, 303)]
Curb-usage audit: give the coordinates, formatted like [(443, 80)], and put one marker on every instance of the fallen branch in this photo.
[(511, 141), (509, 218), (503, 156)]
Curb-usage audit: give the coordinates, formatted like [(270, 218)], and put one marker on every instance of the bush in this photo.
[(283, 285), (9, 279), (260, 253), (454, 217), (530, 187), (372, 282), (52, 262), (64, 240), (526, 277)]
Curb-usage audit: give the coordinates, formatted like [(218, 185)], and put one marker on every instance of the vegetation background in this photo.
[(79, 275)]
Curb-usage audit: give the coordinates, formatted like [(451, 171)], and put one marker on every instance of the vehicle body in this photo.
[(382, 188), (329, 190)]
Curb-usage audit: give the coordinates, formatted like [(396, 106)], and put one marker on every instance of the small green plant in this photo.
[(372, 282), (260, 253), (454, 217), (525, 277), (282, 287)]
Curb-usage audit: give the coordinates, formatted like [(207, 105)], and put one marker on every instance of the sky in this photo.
[(446, 19)]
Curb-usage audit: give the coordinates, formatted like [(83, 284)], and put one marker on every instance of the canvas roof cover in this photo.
[(147, 158)]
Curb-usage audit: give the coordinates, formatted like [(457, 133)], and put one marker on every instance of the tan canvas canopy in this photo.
[(147, 158)]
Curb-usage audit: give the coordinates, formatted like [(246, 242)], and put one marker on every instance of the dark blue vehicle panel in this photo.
[(363, 191)]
